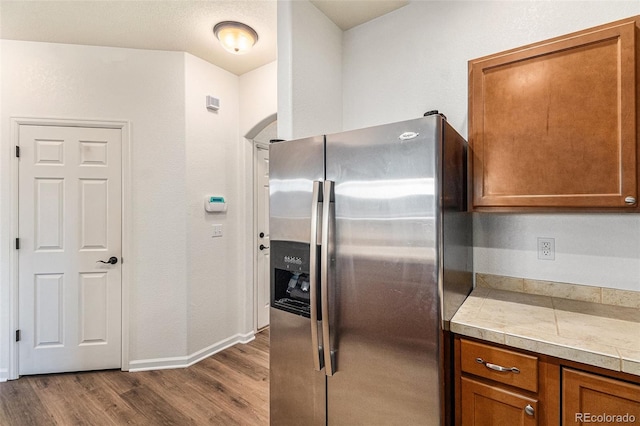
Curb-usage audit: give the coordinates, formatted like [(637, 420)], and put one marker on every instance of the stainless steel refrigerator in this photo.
[(370, 258)]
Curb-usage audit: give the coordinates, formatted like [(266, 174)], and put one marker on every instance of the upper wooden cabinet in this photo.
[(552, 125)]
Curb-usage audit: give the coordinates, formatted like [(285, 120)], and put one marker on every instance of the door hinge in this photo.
[(18, 335), (17, 243), (17, 151)]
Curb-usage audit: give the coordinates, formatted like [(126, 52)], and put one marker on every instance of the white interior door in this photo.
[(263, 272), (69, 221)]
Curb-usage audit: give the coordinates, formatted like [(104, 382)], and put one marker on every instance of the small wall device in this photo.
[(213, 104), (215, 204)]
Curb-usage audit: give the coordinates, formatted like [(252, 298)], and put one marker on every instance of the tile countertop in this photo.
[(598, 334)]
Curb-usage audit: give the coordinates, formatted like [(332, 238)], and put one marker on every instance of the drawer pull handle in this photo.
[(497, 367)]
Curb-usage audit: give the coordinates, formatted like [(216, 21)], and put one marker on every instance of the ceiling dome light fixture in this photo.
[(235, 37)]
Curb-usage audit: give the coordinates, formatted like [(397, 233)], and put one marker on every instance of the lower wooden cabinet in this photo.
[(489, 405), (499, 385), (593, 399)]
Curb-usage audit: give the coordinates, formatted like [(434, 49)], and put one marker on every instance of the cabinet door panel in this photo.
[(484, 405), (598, 400), (553, 124)]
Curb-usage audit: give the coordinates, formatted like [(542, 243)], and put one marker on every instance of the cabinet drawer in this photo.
[(502, 365)]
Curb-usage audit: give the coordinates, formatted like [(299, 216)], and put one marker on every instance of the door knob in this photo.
[(112, 260), (262, 247)]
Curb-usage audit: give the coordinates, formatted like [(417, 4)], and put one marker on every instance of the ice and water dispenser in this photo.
[(290, 289)]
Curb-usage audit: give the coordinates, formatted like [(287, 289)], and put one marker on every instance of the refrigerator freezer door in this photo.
[(293, 166), (297, 391), (386, 300)]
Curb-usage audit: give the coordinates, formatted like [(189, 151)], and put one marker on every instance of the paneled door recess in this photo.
[(264, 270), (69, 224)]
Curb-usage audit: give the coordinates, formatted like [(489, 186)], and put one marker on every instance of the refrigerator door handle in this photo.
[(326, 245), (318, 361)]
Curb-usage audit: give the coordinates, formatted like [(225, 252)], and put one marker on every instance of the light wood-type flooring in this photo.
[(228, 388)]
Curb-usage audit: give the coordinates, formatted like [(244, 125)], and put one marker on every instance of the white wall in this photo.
[(258, 96), (5, 249), (258, 105), (212, 159), (415, 59), (188, 289), (67, 81), (309, 71)]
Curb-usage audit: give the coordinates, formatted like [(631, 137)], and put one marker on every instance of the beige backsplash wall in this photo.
[(604, 295)]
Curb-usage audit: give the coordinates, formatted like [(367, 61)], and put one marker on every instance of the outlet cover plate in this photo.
[(546, 248)]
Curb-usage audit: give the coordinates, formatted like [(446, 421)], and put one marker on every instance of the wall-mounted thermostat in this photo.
[(214, 204)]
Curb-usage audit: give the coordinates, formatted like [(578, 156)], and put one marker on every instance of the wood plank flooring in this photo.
[(228, 388)]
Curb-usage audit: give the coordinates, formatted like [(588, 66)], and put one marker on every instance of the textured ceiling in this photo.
[(160, 25), (178, 25), (348, 14)]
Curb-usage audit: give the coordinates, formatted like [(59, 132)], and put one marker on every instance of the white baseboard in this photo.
[(186, 361), (4, 374)]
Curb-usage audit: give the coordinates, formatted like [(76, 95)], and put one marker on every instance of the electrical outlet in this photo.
[(546, 248), (217, 230)]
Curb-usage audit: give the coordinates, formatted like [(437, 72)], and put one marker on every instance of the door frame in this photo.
[(127, 221), (252, 204), (256, 239)]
